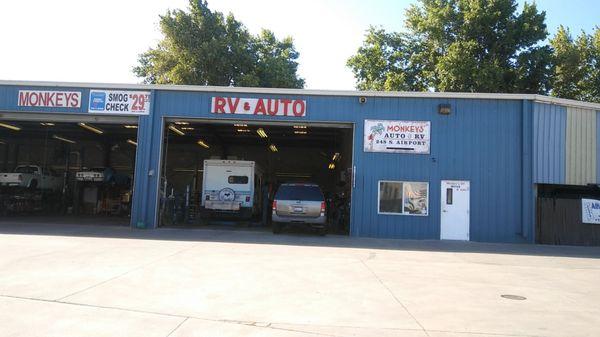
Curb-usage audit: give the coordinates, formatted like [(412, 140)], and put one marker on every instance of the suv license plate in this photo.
[(298, 209)]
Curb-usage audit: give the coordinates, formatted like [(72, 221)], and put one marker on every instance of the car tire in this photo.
[(276, 227)]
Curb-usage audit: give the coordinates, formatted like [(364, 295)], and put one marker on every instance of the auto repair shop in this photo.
[(457, 166)]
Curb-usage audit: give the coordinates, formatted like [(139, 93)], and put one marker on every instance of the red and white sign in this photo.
[(49, 99), (259, 106)]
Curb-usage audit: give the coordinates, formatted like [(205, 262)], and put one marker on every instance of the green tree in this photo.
[(204, 47), (458, 45), (577, 65)]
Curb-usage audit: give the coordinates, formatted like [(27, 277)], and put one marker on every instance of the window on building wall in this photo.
[(403, 198)]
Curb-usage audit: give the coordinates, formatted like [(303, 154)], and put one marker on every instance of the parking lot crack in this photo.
[(394, 296)]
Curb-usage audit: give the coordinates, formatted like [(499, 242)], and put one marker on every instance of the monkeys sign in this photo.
[(279, 107)]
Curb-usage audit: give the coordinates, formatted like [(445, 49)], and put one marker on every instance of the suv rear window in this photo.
[(299, 192)]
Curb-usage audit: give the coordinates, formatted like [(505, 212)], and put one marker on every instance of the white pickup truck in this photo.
[(31, 176)]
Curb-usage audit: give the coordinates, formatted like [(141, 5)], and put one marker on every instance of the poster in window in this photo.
[(415, 198), (390, 197)]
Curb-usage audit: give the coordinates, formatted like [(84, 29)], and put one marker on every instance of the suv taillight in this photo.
[(322, 208), (274, 206)]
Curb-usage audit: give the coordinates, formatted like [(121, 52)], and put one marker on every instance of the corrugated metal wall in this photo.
[(480, 141), (549, 137), (580, 146)]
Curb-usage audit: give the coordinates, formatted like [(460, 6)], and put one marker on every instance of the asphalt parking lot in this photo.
[(74, 280)]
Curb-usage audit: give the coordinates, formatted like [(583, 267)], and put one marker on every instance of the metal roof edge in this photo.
[(310, 92)]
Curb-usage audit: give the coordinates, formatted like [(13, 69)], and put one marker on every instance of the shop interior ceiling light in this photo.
[(331, 166), (336, 156), (300, 132), (91, 128), (182, 123), (63, 139), (273, 148), (299, 126), (47, 124), (10, 126), (261, 132), (176, 130), (134, 143), (240, 125), (130, 126), (202, 143)]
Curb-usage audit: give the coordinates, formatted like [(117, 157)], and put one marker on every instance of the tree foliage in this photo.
[(201, 46), (459, 45), (577, 65)]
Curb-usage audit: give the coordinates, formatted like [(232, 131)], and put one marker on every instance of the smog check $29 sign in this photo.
[(119, 102)]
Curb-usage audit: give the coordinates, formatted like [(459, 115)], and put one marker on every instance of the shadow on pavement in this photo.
[(293, 238)]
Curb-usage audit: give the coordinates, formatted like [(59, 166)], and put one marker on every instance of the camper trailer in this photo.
[(231, 188)]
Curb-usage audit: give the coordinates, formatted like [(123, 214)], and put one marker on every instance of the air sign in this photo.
[(397, 136), (259, 106), (119, 102), (590, 211)]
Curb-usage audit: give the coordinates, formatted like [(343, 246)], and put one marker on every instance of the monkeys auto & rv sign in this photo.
[(275, 107), (397, 136)]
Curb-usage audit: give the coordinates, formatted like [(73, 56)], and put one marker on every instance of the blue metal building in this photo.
[(504, 145)]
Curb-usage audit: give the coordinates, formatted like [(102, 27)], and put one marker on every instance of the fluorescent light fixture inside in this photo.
[(10, 126), (202, 143), (336, 156), (182, 123), (300, 132), (91, 128), (132, 142), (47, 124), (243, 130), (299, 126), (63, 139), (176, 130), (331, 166), (2, 142), (240, 125), (273, 148), (261, 132), (187, 128), (130, 126)]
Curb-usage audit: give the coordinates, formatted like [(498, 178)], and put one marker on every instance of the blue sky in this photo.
[(73, 40)]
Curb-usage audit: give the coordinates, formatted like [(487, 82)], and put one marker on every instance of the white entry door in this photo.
[(455, 210)]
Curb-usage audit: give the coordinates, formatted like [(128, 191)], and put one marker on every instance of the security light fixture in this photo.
[(444, 109), (273, 148), (10, 126), (63, 139), (176, 130), (47, 124), (331, 166), (91, 128), (362, 100), (202, 143), (130, 126), (261, 133), (132, 142)]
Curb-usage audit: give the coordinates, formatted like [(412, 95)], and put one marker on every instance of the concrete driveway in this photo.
[(113, 281)]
